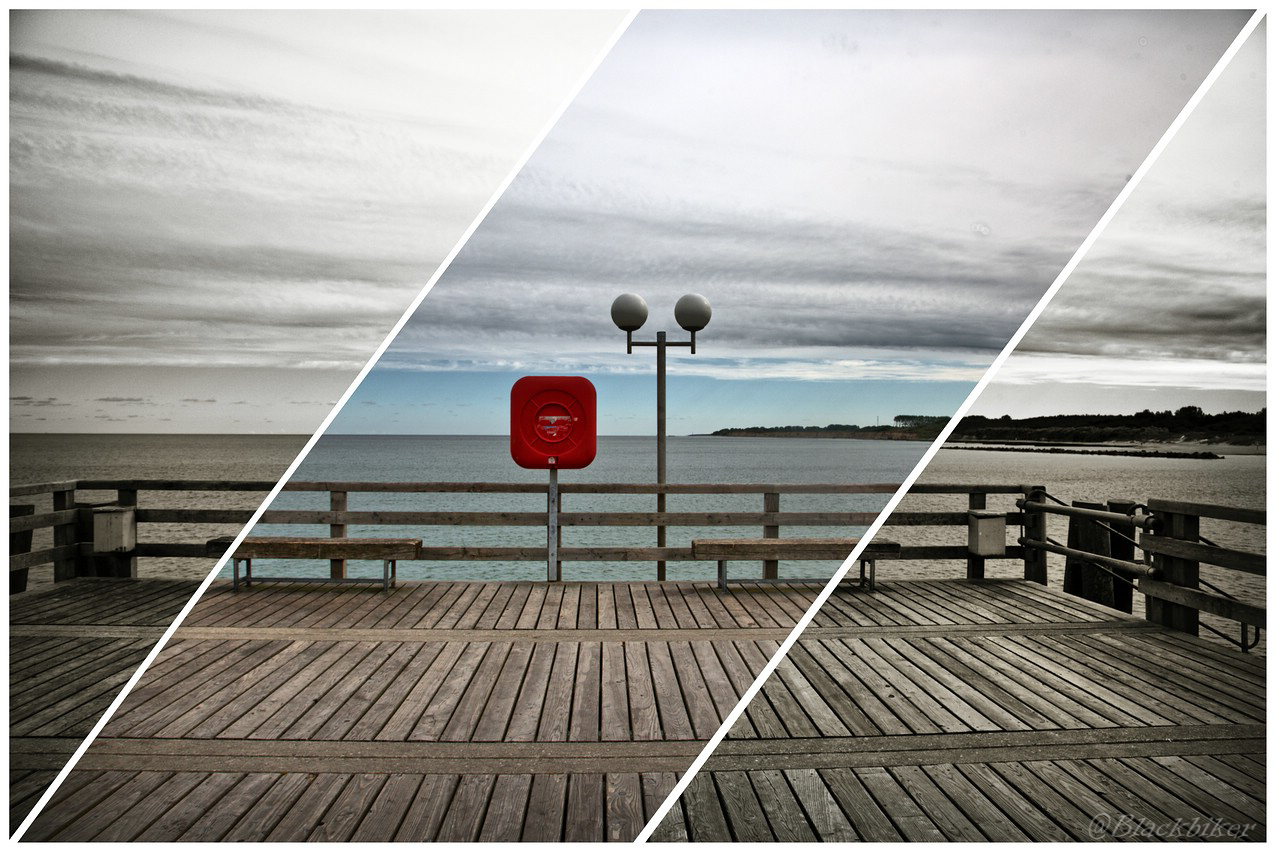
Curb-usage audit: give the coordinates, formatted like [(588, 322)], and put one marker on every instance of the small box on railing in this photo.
[(114, 530), (987, 533)]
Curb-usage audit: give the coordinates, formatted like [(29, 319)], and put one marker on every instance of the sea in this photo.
[(1238, 479)]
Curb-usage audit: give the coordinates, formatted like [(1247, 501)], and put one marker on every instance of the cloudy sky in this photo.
[(871, 201), (216, 218), (1169, 308)]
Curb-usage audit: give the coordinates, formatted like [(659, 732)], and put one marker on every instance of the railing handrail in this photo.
[(508, 487)]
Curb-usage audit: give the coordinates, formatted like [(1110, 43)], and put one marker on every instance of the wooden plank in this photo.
[(397, 710), (586, 709), (167, 804), (546, 808), (979, 711), (786, 817), (97, 818), (264, 813), (1207, 510), (939, 808), (349, 681), (508, 617), (451, 687), (1248, 783), (840, 691), (913, 822), (556, 713), (674, 720), (1228, 608), (503, 822), (1237, 560), (643, 712), (624, 814), (1202, 790), (217, 814), (863, 811), (827, 821), (464, 818), (586, 811), (606, 613), (716, 680), (745, 814), (569, 607), (587, 612), (339, 821), (525, 719), (614, 716), (1058, 709), (243, 712), (498, 710), (1033, 821), (387, 811), (697, 698), (299, 820), (371, 699), (998, 702), (826, 720), (428, 809), (656, 787), (464, 719), (706, 821)]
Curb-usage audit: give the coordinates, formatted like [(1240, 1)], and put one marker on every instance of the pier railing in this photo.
[(107, 537), (1107, 562), (74, 524)]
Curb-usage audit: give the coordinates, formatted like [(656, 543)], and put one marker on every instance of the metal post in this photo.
[(552, 570), (660, 446)]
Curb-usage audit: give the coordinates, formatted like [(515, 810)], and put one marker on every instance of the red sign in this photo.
[(553, 422)]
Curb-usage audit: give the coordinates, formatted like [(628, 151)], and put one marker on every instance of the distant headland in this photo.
[(1187, 425)]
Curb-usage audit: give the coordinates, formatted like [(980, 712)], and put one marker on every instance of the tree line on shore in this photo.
[(1188, 423)]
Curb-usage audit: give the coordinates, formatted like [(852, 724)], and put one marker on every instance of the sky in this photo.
[(216, 218), (1169, 308)]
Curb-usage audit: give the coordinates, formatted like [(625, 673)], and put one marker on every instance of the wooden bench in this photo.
[(388, 550), (726, 549)]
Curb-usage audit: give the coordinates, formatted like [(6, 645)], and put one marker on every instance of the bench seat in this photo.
[(726, 549), (388, 550)]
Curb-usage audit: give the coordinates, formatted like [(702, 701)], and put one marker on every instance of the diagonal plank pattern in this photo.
[(72, 647), (551, 712), (976, 728), (438, 711)]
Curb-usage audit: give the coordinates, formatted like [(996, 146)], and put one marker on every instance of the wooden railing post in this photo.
[(1121, 545), (771, 503), (20, 542), (121, 563), (1034, 528), (975, 564), (65, 534), (1176, 570), (338, 503)]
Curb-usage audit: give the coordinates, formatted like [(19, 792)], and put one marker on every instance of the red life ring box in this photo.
[(553, 422)]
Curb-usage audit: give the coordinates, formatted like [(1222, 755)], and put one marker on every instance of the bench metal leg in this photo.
[(722, 574), (389, 573), (872, 573), (248, 572)]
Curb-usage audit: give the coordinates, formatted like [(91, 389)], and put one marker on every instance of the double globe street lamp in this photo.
[(692, 313)]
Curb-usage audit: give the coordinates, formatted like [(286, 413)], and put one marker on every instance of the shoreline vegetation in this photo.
[(1091, 434)]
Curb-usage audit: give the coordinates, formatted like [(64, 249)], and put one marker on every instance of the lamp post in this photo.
[(629, 312)]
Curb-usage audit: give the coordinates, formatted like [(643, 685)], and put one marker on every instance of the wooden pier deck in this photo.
[(989, 711), (531, 711)]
